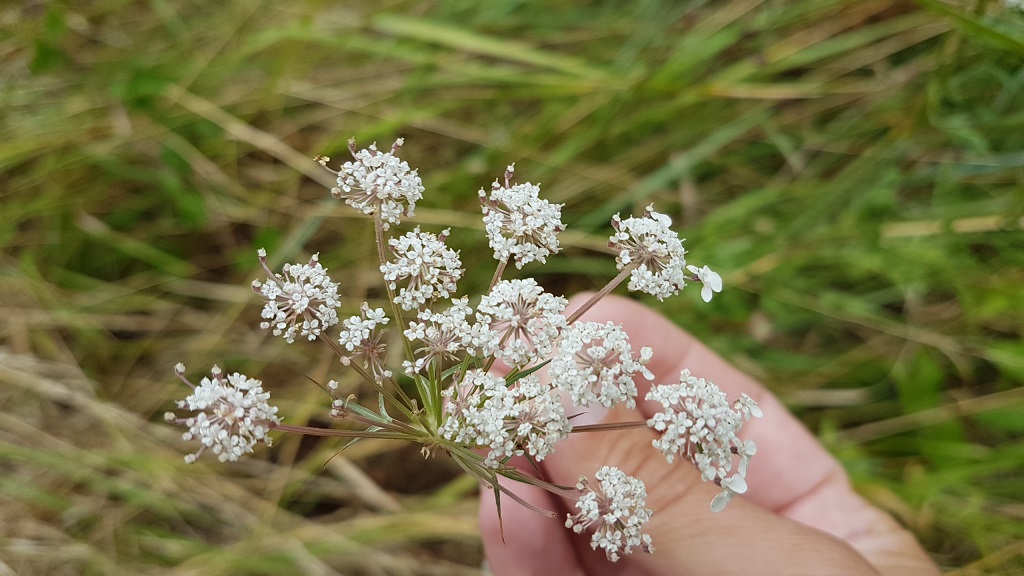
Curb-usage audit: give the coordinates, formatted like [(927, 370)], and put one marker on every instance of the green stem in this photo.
[(378, 225), (311, 431)]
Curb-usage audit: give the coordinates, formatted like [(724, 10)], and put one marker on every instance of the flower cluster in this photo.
[(700, 425), (376, 182), (302, 300), (431, 268), (527, 319), (233, 414), (652, 250), (526, 418), (448, 349), (444, 335), (520, 225), (594, 363), (361, 338), (616, 511)]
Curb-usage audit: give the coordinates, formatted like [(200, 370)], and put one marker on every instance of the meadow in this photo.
[(853, 169)]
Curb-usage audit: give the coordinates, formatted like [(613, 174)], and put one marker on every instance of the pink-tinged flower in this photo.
[(378, 182), (519, 224), (615, 510), (699, 424), (429, 266), (526, 418), (363, 338), (527, 320), (594, 363), (444, 335), (303, 300), (649, 244), (232, 414)]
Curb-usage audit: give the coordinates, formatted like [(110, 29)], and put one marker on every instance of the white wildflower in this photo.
[(594, 363), (699, 425), (710, 279), (446, 334), (432, 269), (484, 411), (539, 420), (378, 181), (361, 338), (527, 319), (656, 251), (232, 414), (615, 510), (303, 300), (519, 224)]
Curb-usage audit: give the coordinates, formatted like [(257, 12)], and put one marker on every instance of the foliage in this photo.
[(853, 169)]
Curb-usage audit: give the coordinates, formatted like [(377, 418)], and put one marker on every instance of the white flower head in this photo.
[(526, 418), (232, 414), (446, 334), (699, 424), (363, 338), (431, 268), (649, 244), (519, 224), (594, 363), (710, 279), (615, 510), (527, 319), (539, 421), (378, 182), (302, 300)]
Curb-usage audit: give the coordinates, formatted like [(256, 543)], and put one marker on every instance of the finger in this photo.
[(789, 463), (688, 537), (792, 473), (538, 544), (523, 541)]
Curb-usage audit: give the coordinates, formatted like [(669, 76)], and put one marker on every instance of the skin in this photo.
[(800, 515)]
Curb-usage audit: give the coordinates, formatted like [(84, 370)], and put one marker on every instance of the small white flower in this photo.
[(747, 407), (361, 338), (649, 244), (233, 414), (302, 300), (616, 511), (378, 181), (539, 421), (477, 407), (594, 363), (527, 319), (519, 224), (699, 425), (446, 334), (484, 411), (710, 279), (432, 269)]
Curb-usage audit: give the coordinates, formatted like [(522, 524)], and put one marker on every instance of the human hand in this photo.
[(800, 515)]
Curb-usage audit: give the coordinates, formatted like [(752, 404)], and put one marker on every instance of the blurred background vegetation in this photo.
[(854, 168)]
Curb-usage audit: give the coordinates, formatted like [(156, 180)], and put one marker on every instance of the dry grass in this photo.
[(854, 169)]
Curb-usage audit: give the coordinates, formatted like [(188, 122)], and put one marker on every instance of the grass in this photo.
[(853, 168)]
